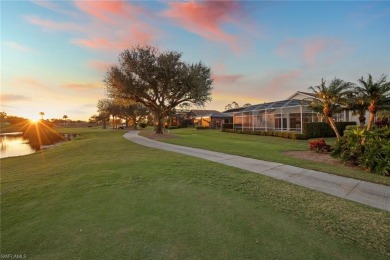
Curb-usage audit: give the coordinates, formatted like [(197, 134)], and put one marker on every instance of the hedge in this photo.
[(289, 135), (227, 126), (199, 127), (322, 129)]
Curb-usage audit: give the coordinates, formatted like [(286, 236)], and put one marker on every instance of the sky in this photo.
[(54, 54)]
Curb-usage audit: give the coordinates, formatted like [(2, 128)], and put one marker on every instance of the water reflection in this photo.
[(14, 145), (33, 137)]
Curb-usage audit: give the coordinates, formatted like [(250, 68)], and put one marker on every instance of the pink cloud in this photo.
[(103, 10), (31, 82), (316, 47), (312, 51), (115, 41), (79, 86), (109, 18), (53, 6), (56, 26), (226, 78), (207, 19), (110, 25), (18, 46), (280, 83), (100, 66), (13, 98)]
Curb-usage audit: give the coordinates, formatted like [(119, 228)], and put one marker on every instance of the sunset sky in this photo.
[(54, 54)]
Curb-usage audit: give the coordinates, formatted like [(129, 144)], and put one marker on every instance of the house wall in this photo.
[(203, 121)]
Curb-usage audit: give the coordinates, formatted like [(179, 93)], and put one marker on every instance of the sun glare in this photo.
[(34, 120)]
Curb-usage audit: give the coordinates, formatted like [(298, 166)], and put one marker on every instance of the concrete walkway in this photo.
[(371, 194)]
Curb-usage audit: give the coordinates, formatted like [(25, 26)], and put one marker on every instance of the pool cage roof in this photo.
[(277, 104)]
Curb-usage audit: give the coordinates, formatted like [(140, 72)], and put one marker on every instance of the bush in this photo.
[(319, 145), (142, 125), (200, 127), (172, 127), (227, 126), (383, 118), (289, 135), (368, 149), (376, 156)]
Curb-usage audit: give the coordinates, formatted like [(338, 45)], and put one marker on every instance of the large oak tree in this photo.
[(159, 80)]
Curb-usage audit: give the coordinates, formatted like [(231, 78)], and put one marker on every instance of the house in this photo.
[(286, 115), (213, 120), (200, 117)]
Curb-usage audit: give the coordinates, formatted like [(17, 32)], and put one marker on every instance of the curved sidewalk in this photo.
[(374, 195)]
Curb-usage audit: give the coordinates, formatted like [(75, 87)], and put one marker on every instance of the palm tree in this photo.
[(65, 117), (357, 102), (373, 92), (330, 98), (3, 115), (41, 114)]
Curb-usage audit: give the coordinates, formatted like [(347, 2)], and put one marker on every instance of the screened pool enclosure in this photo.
[(286, 115)]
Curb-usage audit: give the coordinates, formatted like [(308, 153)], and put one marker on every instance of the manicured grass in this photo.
[(103, 197), (264, 148)]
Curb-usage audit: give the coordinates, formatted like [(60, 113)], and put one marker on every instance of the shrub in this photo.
[(290, 135), (227, 126), (319, 145), (200, 127), (142, 125), (373, 154), (383, 118), (172, 127), (349, 148), (376, 156)]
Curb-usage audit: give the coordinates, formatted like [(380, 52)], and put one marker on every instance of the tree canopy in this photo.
[(158, 80)]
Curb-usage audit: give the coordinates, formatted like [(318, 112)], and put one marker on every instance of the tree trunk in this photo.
[(362, 121), (134, 122), (370, 121), (333, 126), (372, 109), (160, 123)]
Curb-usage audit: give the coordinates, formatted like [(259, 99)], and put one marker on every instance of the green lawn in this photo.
[(262, 147), (103, 197)]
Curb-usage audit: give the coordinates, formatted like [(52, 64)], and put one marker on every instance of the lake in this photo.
[(13, 144)]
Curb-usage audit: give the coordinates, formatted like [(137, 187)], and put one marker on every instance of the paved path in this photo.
[(371, 194)]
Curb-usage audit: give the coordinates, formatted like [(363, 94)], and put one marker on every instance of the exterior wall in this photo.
[(203, 121), (348, 116)]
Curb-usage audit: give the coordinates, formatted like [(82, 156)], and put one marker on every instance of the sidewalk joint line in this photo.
[(353, 188)]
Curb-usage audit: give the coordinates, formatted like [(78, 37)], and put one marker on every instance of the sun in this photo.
[(34, 119)]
